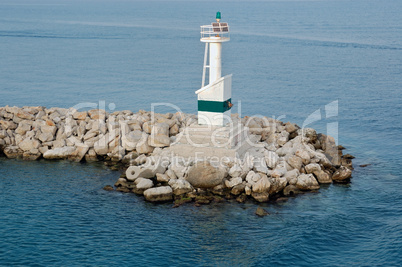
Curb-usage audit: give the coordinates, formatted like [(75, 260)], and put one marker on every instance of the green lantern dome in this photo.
[(218, 15)]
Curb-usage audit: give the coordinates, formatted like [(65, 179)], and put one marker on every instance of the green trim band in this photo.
[(214, 106)]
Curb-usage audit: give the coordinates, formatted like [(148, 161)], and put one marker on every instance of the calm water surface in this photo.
[(288, 59)]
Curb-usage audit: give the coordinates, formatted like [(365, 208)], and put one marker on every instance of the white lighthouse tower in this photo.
[(214, 99), (216, 134)]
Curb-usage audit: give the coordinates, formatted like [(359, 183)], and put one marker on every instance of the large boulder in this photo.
[(29, 143), (79, 152), (307, 182), (142, 146), (59, 153), (159, 135), (204, 175), (323, 177), (13, 152), (22, 128), (295, 162), (159, 194), (142, 184), (312, 168), (262, 185), (342, 174)]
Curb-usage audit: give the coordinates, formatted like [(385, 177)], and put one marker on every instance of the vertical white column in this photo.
[(215, 63)]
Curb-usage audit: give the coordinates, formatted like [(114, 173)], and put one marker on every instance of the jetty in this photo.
[(283, 160)]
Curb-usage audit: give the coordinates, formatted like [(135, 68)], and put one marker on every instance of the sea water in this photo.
[(335, 66)]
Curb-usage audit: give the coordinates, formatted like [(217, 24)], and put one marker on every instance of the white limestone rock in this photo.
[(159, 194), (159, 135), (59, 153), (143, 183)]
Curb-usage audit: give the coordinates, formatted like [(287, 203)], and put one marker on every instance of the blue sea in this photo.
[(335, 66)]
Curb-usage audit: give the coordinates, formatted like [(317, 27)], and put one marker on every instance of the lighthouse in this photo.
[(216, 134), (214, 98)]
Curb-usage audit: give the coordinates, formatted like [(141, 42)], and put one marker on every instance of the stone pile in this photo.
[(284, 161)]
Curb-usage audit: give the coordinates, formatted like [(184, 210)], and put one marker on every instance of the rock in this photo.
[(28, 144), (307, 182), (271, 158), (45, 137), (260, 197), (292, 174), (33, 154), (312, 168), (252, 177), (174, 130), (48, 129), (347, 156), (130, 158), (181, 201), (80, 115), (262, 185), (279, 171), (59, 153), (261, 212), (341, 174), (204, 175), (8, 125), (295, 162), (24, 115), (234, 181), (162, 178), (291, 127), (79, 153), (134, 172), (143, 183), (277, 185), (159, 135), (22, 128), (91, 155), (101, 146), (238, 189), (181, 187), (130, 141), (159, 194), (309, 133), (304, 155), (364, 165), (13, 152), (291, 190), (172, 174), (3, 134), (108, 188), (323, 177), (143, 147), (235, 171), (147, 127), (97, 114), (247, 190)]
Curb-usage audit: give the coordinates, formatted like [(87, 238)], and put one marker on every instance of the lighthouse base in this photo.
[(206, 142)]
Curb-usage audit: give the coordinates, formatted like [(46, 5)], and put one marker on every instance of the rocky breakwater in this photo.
[(284, 161), (31, 133)]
